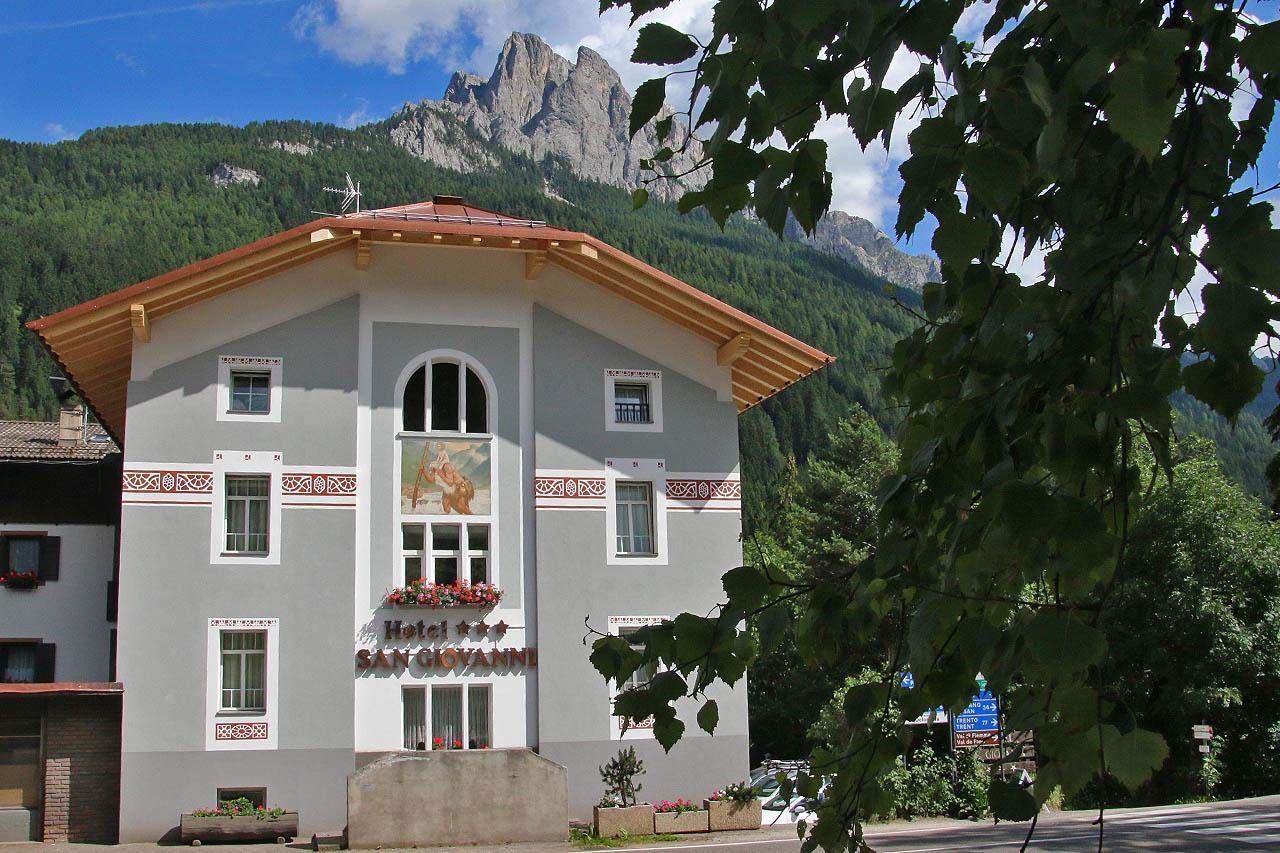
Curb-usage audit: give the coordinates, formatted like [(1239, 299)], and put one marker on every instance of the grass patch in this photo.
[(583, 838)]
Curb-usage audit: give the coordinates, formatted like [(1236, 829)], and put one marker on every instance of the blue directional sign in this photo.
[(979, 723)]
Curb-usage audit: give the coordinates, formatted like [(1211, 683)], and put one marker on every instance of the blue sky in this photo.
[(72, 66)]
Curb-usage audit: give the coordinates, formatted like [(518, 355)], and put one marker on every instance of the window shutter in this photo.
[(50, 556), (45, 653), (4, 555)]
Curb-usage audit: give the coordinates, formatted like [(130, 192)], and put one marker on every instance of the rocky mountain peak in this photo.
[(537, 102)]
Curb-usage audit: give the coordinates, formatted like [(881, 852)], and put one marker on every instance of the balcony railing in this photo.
[(631, 413)]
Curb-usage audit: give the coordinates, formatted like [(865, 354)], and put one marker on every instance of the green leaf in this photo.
[(667, 730), (709, 716), (663, 127), (659, 44), (1142, 99), (773, 624), (746, 587), (1260, 50), (1062, 643), (639, 198), (1011, 802), (694, 636), (647, 102), (994, 175), (1133, 757)]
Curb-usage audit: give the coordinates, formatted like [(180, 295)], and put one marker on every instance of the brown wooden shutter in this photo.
[(45, 654), (50, 557)]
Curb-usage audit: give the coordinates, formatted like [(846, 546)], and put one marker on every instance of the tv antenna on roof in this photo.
[(350, 194)]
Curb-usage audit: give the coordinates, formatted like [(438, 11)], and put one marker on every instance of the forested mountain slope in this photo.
[(119, 205)]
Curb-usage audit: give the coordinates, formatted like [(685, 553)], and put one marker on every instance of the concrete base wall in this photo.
[(19, 825), (425, 799), (157, 787), (694, 768)]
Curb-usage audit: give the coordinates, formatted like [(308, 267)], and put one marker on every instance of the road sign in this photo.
[(937, 715), (979, 723), (1202, 732), (1204, 747)]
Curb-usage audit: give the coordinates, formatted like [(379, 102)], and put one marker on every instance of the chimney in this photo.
[(71, 426)]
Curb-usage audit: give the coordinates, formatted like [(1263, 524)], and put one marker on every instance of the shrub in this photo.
[(738, 792), (619, 777), (929, 784)]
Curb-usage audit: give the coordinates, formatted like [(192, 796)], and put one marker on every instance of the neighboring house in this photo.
[(59, 711), (437, 397)]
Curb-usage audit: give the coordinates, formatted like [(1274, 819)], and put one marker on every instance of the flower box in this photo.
[(459, 594), (193, 830), (694, 821), (733, 814), (20, 580), (619, 821)]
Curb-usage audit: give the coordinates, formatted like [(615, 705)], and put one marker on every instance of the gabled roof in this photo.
[(93, 341), (38, 441)]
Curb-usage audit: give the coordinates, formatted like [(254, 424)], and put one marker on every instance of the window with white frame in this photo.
[(247, 513), (643, 674), (446, 471), (628, 627), (446, 552), (244, 667), (249, 388), (448, 716), (633, 400), (250, 392), (634, 515)]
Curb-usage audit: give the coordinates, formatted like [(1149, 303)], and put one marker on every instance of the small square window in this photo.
[(257, 797), (631, 403), (24, 553), (250, 392)]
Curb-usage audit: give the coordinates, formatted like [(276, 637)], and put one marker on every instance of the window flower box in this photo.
[(733, 814), (679, 816), (233, 825), (20, 580), (435, 595), (615, 821)]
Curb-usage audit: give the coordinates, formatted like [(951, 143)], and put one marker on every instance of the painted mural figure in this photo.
[(448, 477)]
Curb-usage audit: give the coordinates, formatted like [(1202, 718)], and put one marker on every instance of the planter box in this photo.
[(242, 828), (698, 821), (633, 820), (727, 814)]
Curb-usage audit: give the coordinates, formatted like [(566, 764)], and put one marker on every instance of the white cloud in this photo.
[(358, 116), (57, 133)]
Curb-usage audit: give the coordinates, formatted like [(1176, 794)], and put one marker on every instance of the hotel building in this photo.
[(439, 402)]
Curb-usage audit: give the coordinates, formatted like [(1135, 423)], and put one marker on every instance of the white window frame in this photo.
[(248, 501), (272, 367), (266, 463), (465, 686), (243, 654), (636, 731), (654, 472), (397, 419), (651, 378), (215, 714)]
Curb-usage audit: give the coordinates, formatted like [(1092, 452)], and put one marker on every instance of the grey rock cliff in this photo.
[(225, 174), (536, 102), (862, 244)]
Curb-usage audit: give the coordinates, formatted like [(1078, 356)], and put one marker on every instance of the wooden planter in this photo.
[(728, 814), (664, 822), (633, 820), (242, 828)]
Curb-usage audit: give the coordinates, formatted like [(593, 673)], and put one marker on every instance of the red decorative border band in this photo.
[(319, 485), (569, 488), (169, 482), (239, 731), (702, 490)]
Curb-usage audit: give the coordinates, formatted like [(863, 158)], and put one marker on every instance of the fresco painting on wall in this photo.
[(445, 477)]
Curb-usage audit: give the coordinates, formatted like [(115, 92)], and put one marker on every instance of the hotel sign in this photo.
[(448, 657)]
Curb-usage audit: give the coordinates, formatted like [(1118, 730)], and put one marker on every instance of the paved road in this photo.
[(1242, 825)]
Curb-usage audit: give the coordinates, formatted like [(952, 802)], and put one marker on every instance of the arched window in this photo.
[(447, 394), (446, 525)]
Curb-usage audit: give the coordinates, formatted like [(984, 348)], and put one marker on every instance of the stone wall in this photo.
[(462, 797), (82, 769)]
